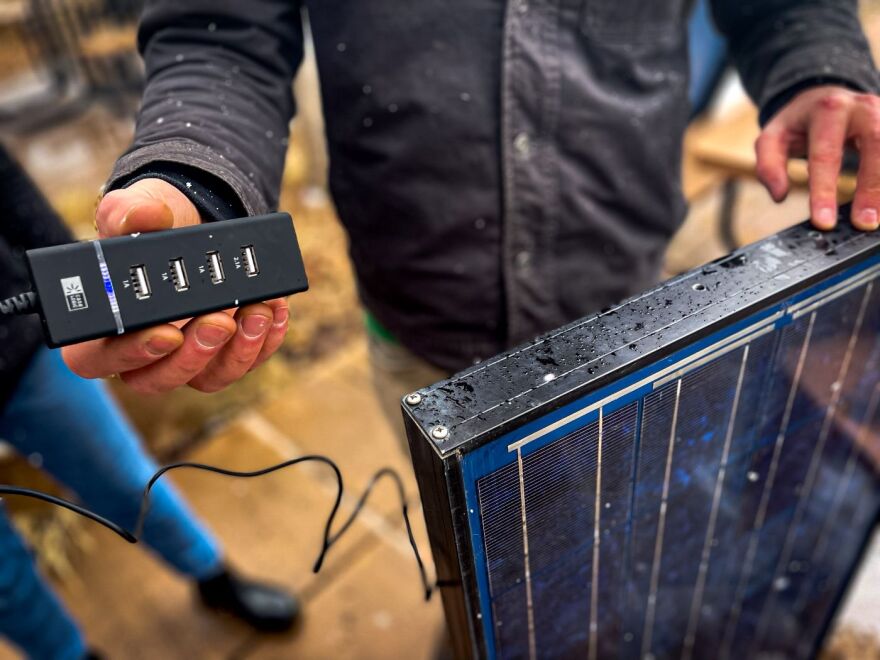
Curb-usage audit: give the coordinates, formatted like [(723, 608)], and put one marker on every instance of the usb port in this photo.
[(139, 282), (249, 258), (216, 267), (178, 274)]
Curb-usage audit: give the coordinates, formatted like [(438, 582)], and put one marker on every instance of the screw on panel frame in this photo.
[(414, 399), (439, 432)]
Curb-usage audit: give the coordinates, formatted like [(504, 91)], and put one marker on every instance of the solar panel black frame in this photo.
[(467, 427)]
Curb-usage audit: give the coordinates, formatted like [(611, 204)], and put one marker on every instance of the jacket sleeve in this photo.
[(218, 96), (779, 45)]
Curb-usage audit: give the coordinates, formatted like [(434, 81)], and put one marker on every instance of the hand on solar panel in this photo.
[(208, 352), (819, 123), (705, 502)]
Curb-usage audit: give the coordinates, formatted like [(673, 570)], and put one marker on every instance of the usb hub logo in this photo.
[(74, 293)]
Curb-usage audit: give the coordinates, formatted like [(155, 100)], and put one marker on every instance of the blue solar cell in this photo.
[(703, 487)]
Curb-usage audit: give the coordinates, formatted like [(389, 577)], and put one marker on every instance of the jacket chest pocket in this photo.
[(633, 22)]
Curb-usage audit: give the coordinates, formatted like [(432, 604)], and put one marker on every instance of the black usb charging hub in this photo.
[(107, 287)]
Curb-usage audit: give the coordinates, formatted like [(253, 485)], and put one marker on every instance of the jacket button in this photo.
[(522, 144)]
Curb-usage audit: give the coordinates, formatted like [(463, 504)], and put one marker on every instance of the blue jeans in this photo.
[(76, 432)]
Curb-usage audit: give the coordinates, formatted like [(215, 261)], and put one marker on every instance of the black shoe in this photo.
[(266, 608), (92, 654)]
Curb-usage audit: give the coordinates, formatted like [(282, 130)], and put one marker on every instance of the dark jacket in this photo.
[(26, 221), (502, 167)]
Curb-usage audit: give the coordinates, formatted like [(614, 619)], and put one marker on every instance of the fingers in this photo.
[(203, 338), (239, 354), (830, 117), (865, 132), (103, 357), (146, 205), (276, 334), (772, 150), (827, 136), (209, 354)]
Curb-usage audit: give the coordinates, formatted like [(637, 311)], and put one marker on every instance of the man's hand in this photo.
[(819, 123), (208, 352)]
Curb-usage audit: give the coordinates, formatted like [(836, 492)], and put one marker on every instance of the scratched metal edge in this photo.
[(444, 507), (809, 258)]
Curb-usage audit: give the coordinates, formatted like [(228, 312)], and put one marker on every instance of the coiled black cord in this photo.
[(23, 303), (329, 537)]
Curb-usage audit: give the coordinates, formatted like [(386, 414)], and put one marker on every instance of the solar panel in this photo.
[(691, 474)]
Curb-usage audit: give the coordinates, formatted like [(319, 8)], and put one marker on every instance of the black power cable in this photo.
[(23, 303), (329, 537)]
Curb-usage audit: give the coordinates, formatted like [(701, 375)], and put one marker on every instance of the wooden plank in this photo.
[(12, 13), (698, 177)]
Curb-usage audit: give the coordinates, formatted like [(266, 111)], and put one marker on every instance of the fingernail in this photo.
[(211, 336), (868, 219), (254, 325), (124, 220), (281, 315), (160, 346), (826, 217)]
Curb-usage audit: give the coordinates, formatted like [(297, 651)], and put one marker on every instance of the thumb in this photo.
[(146, 205)]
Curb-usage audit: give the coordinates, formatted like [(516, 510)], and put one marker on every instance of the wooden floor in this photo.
[(367, 602)]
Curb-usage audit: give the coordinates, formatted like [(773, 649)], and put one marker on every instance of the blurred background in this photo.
[(70, 80)]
